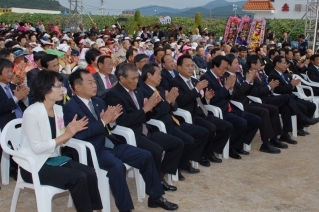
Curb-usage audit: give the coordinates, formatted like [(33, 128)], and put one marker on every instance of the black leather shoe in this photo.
[(307, 133), (310, 121), (180, 176), (162, 203), (214, 159), (242, 152), (190, 170), (278, 144), (269, 149), (301, 133), (168, 187), (288, 139), (234, 154), (204, 162)]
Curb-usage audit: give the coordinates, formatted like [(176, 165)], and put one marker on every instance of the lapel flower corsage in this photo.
[(61, 124)]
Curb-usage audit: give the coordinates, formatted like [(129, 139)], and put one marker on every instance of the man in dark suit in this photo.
[(189, 98), (139, 61), (50, 62), (33, 72), (245, 124), (168, 73), (159, 34), (200, 58), (292, 68), (313, 72), (270, 65), (136, 112), (111, 153), (286, 86), (270, 125), (193, 136), (104, 79), (144, 36), (13, 100)]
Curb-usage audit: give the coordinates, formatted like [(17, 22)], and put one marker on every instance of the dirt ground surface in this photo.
[(259, 182)]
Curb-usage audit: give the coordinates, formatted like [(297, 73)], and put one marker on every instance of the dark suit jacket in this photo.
[(159, 35), (131, 117), (293, 67), (163, 110), (145, 38), (313, 73), (166, 78), (96, 132), (187, 98), (222, 96), (200, 62), (241, 90), (101, 90), (31, 75), (260, 88), (283, 88), (7, 105), (269, 67)]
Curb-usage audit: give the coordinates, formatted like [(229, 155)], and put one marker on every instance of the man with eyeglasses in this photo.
[(286, 86)]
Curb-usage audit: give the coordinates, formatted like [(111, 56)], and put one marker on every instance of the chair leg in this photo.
[(140, 185), (294, 125), (104, 189), (175, 176), (246, 147), (70, 202), (44, 200), (15, 198), (226, 150), (5, 167), (169, 179)]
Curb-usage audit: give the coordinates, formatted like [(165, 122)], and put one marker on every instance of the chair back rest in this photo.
[(11, 133)]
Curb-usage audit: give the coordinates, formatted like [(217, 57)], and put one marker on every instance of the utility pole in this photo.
[(102, 7), (235, 9), (75, 12)]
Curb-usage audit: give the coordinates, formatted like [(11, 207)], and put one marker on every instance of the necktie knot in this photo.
[(218, 80)]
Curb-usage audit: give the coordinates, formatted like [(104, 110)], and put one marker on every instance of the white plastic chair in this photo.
[(293, 118), (43, 193), (188, 119), (161, 127), (218, 113), (301, 94), (239, 105), (5, 167)]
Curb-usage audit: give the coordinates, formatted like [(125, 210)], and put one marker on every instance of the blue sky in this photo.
[(115, 7)]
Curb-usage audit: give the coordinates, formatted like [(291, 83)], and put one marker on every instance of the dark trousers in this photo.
[(307, 110), (219, 133), (156, 143), (79, 179), (287, 107), (194, 138), (270, 125), (112, 161), (245, 127)]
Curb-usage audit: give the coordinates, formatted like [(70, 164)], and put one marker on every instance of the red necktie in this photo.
[(108, 84), (229, 105)]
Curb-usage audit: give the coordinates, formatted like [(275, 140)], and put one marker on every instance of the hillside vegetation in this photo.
[(33, 4), (215, 25)]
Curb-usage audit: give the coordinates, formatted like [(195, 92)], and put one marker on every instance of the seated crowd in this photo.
[(84, 84)]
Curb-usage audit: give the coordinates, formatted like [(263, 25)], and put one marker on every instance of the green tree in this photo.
[(198, 23)]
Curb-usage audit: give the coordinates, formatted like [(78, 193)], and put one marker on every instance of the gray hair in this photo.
[(124, 68)]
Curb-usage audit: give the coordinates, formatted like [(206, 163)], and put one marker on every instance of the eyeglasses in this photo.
[(58, 86)]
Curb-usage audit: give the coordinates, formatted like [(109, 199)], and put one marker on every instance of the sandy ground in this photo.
[(259, 182)]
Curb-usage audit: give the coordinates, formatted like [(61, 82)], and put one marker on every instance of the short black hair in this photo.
[(42, 84), (4, 53), (139, 57), (199, 47), (47, 58), (313, 57), (76, 78), (272, 52), (216, 61), (148, 68), (277, 59), (295, 52), (180, 60), (163, 58), (287, 51), (91, 55), (158, 50), (130, 52), (252, 59), (258, 48), (214, 50), (302, 36), (230, 58), (242, 49), (234, 49), (4, 63), (37, 56), (124, 68), (102, 58)]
